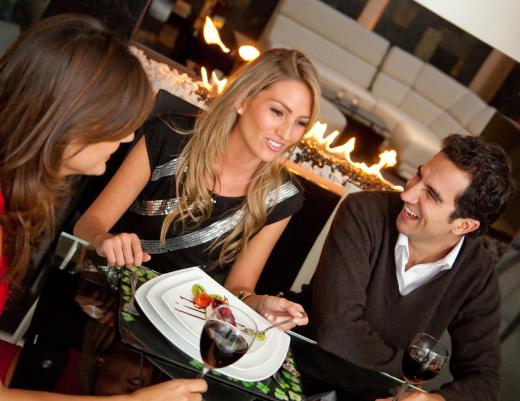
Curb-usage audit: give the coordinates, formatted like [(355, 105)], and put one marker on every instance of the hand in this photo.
[(121, 250), (276, 309), (416, 396), (172, 390)]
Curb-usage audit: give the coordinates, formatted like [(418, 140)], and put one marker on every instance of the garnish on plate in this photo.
[(202, 299), (205, 303)]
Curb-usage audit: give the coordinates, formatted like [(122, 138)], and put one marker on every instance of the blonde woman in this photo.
[(219, 195)]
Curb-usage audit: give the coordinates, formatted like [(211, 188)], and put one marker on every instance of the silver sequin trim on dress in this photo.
[(276, 196), (160, 207), (164, 170), (216, 229), (195, 238)]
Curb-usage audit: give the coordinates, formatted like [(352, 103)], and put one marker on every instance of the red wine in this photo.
[(417, 367), (221, 344)]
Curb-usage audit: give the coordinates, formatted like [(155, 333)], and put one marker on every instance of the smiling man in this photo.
[(395, 264)]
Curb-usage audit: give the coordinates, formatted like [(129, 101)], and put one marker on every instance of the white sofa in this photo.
[(419, 104)]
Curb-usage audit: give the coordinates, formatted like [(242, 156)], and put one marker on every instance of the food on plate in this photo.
[(202, 299), (209, 302)]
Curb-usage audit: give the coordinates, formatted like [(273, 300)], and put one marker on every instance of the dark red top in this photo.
[(4, 289)]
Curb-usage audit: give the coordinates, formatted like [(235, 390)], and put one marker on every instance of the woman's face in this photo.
[(89, 159), (274, 119)]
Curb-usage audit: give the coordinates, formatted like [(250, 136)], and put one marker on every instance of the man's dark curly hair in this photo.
[(491, 185)]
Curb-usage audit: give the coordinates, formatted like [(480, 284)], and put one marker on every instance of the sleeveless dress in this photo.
[(158, 198)]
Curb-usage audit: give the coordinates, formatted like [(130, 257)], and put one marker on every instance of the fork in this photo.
[(260, 334), (130, 306)]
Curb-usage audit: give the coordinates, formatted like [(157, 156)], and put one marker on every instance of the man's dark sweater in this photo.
[(360, 315)]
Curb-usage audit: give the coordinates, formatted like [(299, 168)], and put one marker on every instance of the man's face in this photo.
[(429, 201)]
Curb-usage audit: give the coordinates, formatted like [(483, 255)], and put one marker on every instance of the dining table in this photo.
[(83, 340)]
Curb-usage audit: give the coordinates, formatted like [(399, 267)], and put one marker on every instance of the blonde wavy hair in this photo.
[(197, 163)]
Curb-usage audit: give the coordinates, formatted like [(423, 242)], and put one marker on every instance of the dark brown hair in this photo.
[(492, 182), (66, 79)]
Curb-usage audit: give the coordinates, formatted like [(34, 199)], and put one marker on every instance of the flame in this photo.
[(204, 76), (344, 150), (211, 35), (215, 81), (248, 53), (221, 83), (317, 131), (388, 158)]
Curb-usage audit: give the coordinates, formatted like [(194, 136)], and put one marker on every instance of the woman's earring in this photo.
[(239, 111)]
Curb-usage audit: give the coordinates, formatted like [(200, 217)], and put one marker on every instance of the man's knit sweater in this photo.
[(360, 315)]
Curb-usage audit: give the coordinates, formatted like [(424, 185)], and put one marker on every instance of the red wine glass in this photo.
[(227, 335), (423, 360)]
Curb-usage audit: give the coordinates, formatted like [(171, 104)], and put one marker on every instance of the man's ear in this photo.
[(463, 226)]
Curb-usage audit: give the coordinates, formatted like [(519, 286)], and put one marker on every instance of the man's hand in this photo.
[(416, 396)]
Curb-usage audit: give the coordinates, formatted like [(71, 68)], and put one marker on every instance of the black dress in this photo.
[(186, 249)]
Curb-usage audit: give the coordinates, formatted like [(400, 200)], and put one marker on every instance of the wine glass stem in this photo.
[(203, 372), (401, 391)]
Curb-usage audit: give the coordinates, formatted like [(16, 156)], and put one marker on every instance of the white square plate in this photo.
[(157, 299)]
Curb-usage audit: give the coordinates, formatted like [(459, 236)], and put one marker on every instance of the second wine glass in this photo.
[(423, 360), (227, 335)]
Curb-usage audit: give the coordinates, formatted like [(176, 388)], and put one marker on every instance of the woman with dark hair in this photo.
[(70, 93)]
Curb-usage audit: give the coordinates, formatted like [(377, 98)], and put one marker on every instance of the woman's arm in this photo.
[(250, 262), (107, 209), (246, 270), (172, 390)]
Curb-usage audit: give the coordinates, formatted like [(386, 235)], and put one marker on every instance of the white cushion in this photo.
[(402, 66), (296, 36), (390, 113), (390, 89), (329, 114), (438, 87), (415, 144), (339, 83), (337, 28), (477, 124), (420, 108), (445, 125), (406, 170), (467, 107)]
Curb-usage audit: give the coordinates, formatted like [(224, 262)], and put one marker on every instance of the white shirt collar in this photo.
[(446, 262), (423, 273)]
